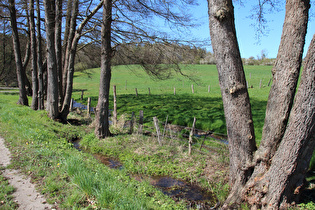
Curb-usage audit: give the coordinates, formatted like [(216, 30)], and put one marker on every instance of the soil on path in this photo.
[(25, 195)]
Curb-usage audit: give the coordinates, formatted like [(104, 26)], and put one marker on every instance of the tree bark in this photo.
[(102, 111), (271, 178), (280, 184), (58, 48), (23, 100), (71, 61), (26, 60), (39, 60), (285, 77), (235, 97), (70, 36), (52, 83), (34, 56), (4, 46)]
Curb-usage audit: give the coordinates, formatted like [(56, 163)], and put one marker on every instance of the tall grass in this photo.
[(72, 179)]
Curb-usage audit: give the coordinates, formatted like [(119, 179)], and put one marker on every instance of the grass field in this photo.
[(76, 180), (184, 106)]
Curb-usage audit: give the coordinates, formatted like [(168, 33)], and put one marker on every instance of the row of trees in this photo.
[(68, 29), (265, 177), (122, 24)]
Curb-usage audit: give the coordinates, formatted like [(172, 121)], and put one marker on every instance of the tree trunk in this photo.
[(58, 48), (280, 184), (102, 111), (71, 61), (39, 60), (235, 97), (270, 179), (52, 83), (72, 30), (34, 57), (4, 46), (285, 78), (23, 100), (67, 30)]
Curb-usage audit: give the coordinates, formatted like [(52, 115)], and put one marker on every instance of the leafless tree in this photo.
[(130, 22), (18, 57), (34, 56)]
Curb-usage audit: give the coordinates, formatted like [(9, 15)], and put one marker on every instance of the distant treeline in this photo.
[(89, 56)]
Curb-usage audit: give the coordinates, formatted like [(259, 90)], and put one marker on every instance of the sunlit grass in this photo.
[(181, 108), (69, 178)]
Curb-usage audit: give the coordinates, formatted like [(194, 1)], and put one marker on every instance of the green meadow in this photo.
[(70, 179), (181, 108)]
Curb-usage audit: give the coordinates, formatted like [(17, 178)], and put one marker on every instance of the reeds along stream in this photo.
[(193, 195)]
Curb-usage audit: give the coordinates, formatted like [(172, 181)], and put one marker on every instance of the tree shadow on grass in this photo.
[(181, 110)]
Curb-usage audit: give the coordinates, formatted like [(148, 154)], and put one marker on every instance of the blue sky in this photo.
[(246, 33)]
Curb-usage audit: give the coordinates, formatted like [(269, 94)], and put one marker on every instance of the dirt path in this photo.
[(26, 195)]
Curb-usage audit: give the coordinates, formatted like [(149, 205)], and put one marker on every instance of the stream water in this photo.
[(193, 195)]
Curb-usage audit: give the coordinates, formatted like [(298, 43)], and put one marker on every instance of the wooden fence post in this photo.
[(260, 83), (191, 135), (192, 88), (174, 91), (209, 89), (89, 107), (126, 85), (149, 91), (140, 121), (82, 93), (136, 92), (156, 124), (115, 106)]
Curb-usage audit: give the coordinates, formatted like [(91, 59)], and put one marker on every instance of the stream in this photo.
[(194, 196)]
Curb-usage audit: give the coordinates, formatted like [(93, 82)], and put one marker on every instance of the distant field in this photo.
[(205, 106)]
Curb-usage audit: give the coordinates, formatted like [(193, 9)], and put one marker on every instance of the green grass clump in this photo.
[(113, 189)]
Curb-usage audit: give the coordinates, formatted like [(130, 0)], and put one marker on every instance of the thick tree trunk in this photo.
[(276, 188), (285, 78), (39, 60), (235, 97), (52, 83), (23, 100), (34, 57), (102, 110), (270, 178)]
